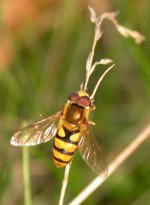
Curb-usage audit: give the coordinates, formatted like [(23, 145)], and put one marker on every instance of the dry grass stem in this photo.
[(143, 136), (64, 184), (100, 80), (97, 35), (125, 32)]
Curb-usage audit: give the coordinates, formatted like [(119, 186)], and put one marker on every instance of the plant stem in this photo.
[(87, 191), (26, 177), (64, 184)]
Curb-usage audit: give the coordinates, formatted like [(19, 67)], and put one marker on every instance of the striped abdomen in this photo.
[(65, 145)]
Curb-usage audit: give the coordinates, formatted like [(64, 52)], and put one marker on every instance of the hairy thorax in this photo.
[(75, 114)]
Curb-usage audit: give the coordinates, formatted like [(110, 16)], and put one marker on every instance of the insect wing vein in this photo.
[(36, 133), (91, 152)]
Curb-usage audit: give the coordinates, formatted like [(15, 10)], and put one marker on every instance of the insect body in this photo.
[(75, 115), (73, 130)]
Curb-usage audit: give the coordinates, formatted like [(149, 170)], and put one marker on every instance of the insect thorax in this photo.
[(75, 114)]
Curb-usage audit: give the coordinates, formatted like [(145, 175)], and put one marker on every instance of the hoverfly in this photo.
[(73, 130)]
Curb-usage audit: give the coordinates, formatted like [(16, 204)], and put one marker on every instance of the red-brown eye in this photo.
[(73, 97), (84, 101)]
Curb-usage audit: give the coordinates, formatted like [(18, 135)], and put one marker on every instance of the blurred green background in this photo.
[(43, 49)]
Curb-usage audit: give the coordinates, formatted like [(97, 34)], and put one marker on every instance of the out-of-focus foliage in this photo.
[(43, 50)]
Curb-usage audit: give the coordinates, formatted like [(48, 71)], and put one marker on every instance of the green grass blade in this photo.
[(26, 177)]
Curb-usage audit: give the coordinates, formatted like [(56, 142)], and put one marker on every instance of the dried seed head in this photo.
[(90, 66)]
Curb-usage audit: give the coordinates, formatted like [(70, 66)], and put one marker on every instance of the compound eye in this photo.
[(84, 101), (73, 97)]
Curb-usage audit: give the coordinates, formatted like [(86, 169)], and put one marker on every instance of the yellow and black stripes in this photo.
[(65, 145)]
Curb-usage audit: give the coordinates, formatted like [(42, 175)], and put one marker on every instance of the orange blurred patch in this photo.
[(5, 53), (17, 15), (16, 12)]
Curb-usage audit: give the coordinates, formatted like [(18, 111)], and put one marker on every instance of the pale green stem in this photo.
[(26, 177)]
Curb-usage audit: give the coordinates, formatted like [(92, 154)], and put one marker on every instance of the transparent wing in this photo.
[(91, 151), (36, 133)]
